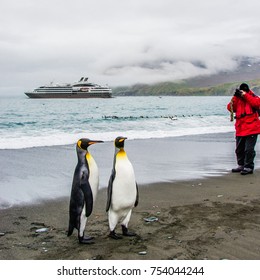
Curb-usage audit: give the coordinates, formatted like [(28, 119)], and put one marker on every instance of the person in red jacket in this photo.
[(246, 105)]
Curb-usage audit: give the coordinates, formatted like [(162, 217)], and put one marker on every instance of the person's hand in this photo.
[(238, 93)]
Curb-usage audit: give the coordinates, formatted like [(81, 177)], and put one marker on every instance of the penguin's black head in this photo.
[(120, 141), (84, 143)]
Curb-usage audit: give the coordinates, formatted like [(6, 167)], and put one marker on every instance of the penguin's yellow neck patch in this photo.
[(88, 157), (121, 153)]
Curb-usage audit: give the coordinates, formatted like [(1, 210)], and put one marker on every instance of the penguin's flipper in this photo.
[(75, 209), (137, 196), (70, 229), (109, 189), (88, 197)]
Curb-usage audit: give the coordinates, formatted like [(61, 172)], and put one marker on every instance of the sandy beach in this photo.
[(211, 218)]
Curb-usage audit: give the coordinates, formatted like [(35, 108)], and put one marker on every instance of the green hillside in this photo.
[(181, 89)]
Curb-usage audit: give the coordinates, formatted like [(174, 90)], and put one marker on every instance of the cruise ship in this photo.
[(80, 89)]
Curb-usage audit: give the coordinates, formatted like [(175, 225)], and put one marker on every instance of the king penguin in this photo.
[(84, 190), (122, 191)]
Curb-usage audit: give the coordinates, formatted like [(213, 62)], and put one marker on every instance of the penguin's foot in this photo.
[(88, 237), (113, 235), (86, 240), (126, 232)]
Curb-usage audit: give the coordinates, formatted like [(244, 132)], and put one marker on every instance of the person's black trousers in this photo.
[(245, 150)]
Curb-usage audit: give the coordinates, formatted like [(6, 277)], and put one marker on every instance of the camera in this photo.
[(238, 93)]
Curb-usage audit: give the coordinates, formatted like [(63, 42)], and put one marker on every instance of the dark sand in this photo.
[(213, 218)]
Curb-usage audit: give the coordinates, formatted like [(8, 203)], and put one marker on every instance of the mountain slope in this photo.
[(223, 83)]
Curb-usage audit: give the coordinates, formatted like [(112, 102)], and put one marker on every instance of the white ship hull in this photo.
[(81, 89)]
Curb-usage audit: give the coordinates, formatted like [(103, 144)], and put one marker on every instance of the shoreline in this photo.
[(209, 218), (46, 173)]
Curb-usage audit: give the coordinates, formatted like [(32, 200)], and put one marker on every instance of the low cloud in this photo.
[(123, 42)]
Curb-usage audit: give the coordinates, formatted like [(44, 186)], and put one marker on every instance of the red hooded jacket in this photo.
[(247, 118)]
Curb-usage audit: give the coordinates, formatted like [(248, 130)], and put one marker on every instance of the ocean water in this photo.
[(169, 139), (28, 122)]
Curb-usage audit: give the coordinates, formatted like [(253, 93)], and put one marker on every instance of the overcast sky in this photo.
[(122, 42)]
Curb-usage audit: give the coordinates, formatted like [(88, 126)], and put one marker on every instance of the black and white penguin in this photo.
[(84, 190), (122, 191)]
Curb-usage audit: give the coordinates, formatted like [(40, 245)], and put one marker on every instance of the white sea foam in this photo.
[(61, 138)]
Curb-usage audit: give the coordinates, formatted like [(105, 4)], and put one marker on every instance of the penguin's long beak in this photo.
[(91, 142)]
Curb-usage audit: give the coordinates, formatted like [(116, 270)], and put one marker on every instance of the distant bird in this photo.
[(122, 191), (84, 190)]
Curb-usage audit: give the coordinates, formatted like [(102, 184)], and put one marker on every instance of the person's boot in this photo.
[(246, 171), (238, 169)]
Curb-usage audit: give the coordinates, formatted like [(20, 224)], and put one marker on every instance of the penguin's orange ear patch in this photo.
[(79, 143), (121, 140)]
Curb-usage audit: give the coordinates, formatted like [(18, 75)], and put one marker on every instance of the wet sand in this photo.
[(212, 218)]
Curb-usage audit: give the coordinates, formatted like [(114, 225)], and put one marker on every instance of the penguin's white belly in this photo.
[(124, 186), (93, 176), (94, 183)]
